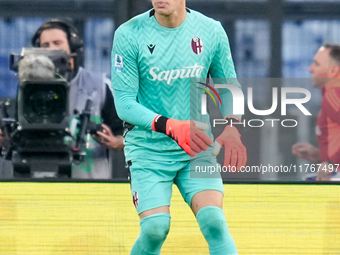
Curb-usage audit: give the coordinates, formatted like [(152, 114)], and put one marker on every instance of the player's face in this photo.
[(168, 7), (54, 39), (320, 68)]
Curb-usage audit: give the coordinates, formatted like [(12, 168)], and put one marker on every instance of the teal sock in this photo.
[(215, 230), (153, 232)]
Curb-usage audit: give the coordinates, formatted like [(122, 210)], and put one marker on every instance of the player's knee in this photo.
[(155, 228), (212, 222), (216, 229)]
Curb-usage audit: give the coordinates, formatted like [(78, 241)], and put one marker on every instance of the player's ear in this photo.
[(335, 71)]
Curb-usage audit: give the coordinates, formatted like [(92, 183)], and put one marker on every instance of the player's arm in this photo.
[(187, 134), (125, 80), (222, 71)]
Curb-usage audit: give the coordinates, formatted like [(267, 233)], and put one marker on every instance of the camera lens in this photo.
[(45, 103)]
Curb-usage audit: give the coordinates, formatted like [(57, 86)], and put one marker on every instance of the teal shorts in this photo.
[(151, 181)]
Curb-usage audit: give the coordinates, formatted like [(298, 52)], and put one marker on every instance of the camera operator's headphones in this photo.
[(74, 40)]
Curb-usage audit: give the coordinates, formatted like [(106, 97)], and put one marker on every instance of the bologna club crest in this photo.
[(196, 45), (135, 198)]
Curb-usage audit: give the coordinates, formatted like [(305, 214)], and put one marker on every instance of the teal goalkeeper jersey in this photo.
[(153, 69)]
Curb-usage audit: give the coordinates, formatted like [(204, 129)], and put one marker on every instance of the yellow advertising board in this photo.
[(100, 219)]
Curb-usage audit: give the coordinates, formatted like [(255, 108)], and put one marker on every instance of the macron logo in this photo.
[(151, 48), (174, 74)]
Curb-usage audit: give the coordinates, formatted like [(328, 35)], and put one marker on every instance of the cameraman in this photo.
[(61, 34)]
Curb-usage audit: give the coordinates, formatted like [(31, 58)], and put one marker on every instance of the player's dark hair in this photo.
[(334, 51)]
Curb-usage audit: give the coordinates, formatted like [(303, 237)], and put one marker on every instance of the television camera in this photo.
[(39, 142)]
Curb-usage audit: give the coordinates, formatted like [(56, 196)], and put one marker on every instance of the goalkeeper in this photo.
[(155, 57)]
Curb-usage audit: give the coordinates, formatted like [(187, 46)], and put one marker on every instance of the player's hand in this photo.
[(108, 139), (235, 153), (306, 151), (189, 135)]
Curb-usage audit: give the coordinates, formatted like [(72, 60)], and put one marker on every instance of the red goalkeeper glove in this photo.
[(235, 153), (187, 134)]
